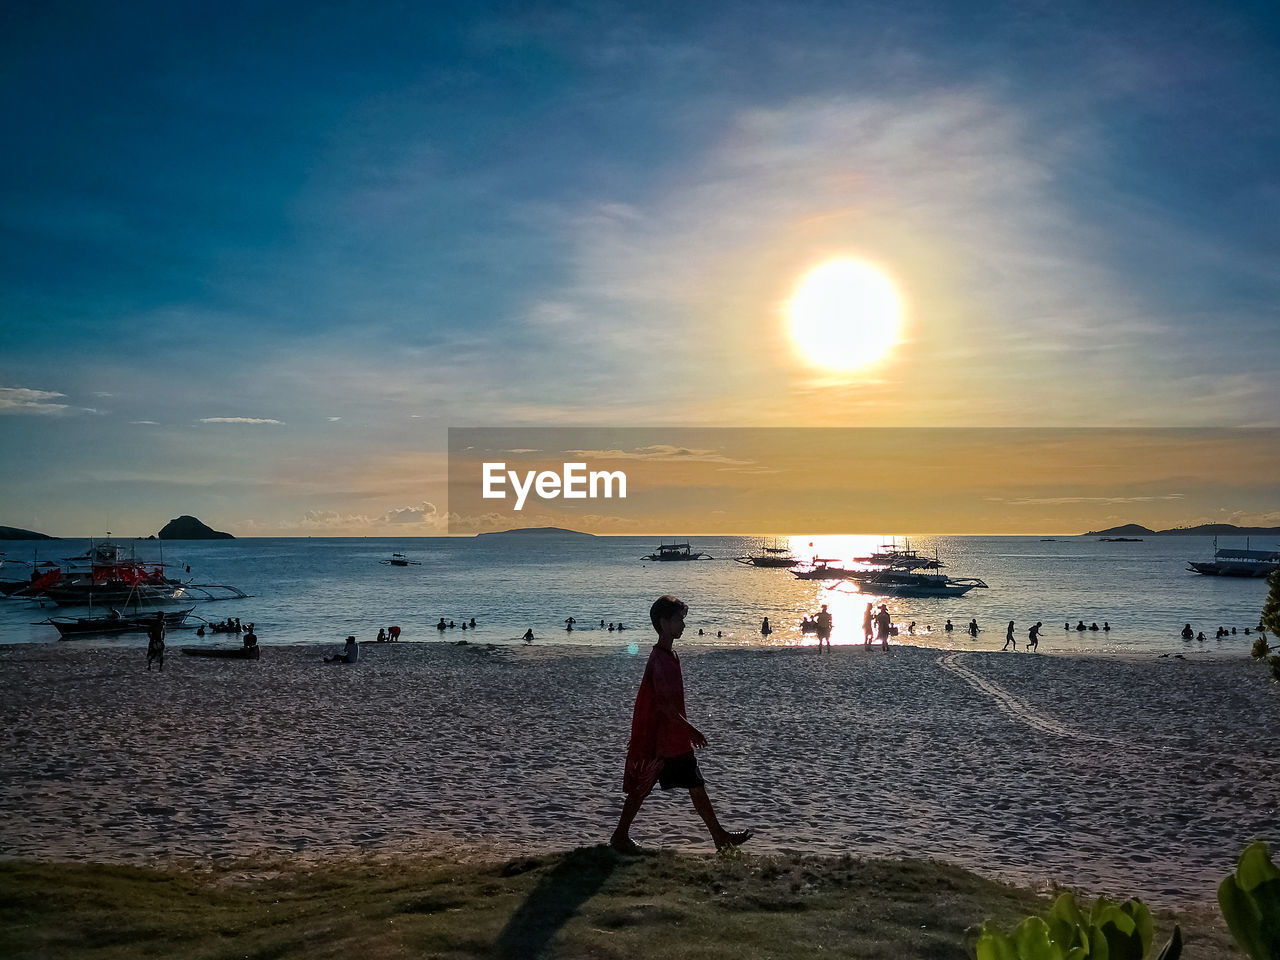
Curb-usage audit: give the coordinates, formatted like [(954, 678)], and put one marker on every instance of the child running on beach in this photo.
[(1033, 637), (662, 739)]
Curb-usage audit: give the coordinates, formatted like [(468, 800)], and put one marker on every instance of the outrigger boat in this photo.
[(906, 575), (823, 568), (400, 560), (913, 583), (891, 555), (103, 575), (70, 628), (676, 551), (1237, 563), (777, 557)]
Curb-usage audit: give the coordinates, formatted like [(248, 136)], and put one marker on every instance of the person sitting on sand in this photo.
[(250, 639), (1188, 633), (350, 653), (382, 636), (661, 749), (1033, 637), (1008, 638), (528, 635)]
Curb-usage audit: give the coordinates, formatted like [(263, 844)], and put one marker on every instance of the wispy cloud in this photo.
[(25, 400), (1041, 501), (422, 519), (660, 453), (278, 423)]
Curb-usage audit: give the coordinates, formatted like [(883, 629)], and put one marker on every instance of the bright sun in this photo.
[(845, 314)]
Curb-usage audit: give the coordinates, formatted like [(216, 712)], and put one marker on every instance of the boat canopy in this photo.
[(1265, 555)]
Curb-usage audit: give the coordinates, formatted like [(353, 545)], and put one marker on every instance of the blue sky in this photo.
[(255, 262)]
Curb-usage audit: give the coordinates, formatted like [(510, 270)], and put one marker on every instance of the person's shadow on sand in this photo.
[(557, 897)]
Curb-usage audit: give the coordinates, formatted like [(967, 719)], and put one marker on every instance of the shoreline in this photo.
[(1131, 776)]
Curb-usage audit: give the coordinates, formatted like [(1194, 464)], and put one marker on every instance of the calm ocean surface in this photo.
[(320, 590)]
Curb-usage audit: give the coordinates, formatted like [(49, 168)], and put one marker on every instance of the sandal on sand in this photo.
[(626, 847), (734, 839)]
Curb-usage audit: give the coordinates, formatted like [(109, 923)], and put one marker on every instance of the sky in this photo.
[(256, 260)]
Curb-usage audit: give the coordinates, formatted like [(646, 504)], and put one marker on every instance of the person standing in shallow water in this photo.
[(662, 739), (823, 620)]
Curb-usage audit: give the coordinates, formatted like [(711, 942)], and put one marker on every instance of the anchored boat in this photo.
[(676, 551), (1237, 563)]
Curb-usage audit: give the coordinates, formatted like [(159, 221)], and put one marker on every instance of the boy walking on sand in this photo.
[(662, 740)]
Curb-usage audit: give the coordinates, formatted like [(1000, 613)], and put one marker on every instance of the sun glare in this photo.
[(845, 314)]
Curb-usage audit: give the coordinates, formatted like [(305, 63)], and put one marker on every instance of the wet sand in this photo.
[(1125, 776)]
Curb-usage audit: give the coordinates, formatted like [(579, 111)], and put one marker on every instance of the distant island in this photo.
[(538, 532), (1203, 530), (17, 533), (189, 528)]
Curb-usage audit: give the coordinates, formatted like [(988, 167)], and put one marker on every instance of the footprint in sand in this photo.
[(1010, 705)]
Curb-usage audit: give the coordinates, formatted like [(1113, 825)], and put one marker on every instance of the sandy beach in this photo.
[(1124, 776)]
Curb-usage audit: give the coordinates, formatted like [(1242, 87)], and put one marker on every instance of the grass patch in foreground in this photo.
[(587, 902)]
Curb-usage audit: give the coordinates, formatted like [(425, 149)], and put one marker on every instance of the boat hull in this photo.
[(1243, 571), (70, 628), (224, 653)]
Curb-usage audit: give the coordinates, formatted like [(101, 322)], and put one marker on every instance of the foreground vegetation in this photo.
[(585, 903)]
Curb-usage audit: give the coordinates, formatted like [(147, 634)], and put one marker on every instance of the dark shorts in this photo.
[(680, 773)]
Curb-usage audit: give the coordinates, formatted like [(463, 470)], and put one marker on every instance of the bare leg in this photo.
[(722, 837), (621, 839)]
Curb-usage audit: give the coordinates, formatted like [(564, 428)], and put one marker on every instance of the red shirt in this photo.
[(655, 734)]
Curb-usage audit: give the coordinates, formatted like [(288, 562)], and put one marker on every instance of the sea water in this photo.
[(320, 590)]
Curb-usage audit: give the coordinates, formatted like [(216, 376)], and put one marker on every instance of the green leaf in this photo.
[(1244, 920), (1255, 867), (1033, 941), (994, 945), (1173, 949)]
